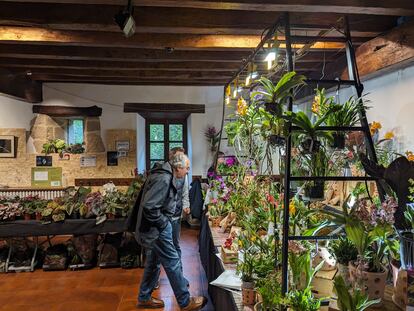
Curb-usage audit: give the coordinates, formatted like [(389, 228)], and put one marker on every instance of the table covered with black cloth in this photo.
[(223, 300), (25, 228)]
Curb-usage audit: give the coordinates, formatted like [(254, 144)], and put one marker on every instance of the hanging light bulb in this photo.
[(273, 53), (235, 83)]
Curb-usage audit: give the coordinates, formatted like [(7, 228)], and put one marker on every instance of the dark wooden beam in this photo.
[(24, 35), (20, 87), (374, 7), (117, 65), (386, 51), (173, 20), (115, 54), (170, 107), (140, 74), (66, 111)]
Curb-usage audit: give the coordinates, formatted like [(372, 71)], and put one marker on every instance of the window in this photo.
[(161, 136), (75, 131)]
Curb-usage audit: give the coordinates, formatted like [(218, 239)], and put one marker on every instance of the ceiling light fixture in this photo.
[(125, 20)]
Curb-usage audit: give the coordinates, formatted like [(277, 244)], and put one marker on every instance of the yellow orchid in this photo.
[(228, 91), (389, 135), (375, 126), (409, 155), (241, 106), (316, 104), (292, 208)]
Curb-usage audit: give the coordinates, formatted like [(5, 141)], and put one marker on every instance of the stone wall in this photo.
[(16, 172), (44, 128)]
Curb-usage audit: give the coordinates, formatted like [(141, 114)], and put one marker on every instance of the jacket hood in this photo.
[(162, 168)]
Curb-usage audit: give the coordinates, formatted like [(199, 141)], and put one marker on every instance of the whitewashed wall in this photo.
[(17, 114)]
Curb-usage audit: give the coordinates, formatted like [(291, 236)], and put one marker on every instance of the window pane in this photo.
[(157, 132), (156, 150), (75, 131), (176, 132), (172, 145)]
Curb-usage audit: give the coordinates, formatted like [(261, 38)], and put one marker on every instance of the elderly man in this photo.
[(154, 231)]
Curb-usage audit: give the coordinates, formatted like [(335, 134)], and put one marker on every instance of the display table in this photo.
[(210, 239), (26, 228)]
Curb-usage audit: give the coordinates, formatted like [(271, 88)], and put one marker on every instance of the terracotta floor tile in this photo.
[(96, 289)]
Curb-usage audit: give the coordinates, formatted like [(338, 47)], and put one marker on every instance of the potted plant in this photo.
[(29, 206), (349, 300), (245, 267), (54, 146), (269, 289), (10, 210), (303, 300), (309, 131), (346, 114), (217, 210), (213, 137), (368, 225), (344, 252), (54, 211), (317, 164)]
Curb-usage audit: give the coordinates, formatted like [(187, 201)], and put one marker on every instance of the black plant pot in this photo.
[(310, 145), (316, 191), (272, 108), (276, 140), (338, 141)]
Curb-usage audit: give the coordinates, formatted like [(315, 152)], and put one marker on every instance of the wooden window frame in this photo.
[(166, 123)]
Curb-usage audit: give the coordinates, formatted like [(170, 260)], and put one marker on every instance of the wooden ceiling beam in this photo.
[(374, 7), (20, 87), (116, 54), (173, 20), (392, 50), (113, 65), (176, 75), (32, 35)]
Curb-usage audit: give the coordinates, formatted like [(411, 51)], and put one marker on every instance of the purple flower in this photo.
[(230, 161)]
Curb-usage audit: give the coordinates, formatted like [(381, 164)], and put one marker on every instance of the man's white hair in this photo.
[(179, 160)]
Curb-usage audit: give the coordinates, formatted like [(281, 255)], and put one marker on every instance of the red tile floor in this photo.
[(97, 289)]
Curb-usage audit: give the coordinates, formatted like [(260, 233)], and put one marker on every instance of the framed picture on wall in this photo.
[(122, 145), (112, 158), (7, 146)]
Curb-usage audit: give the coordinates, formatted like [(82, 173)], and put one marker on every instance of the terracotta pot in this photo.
[(215, 221), (399, 278), (259, 307), (27, 216), (343, 271), (110, 216), (248, 293), (38, 216), (371, 283)]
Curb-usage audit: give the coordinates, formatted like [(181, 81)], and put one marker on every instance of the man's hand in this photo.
[(186, 210)]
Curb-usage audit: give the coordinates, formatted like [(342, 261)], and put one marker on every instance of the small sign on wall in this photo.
[(122, 145), (46, 176), (88, 161), (43, 160)]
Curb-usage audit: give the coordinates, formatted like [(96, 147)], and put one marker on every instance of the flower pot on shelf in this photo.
[(277, 140), (110, 216), (38, 216), (248, 293), (316, 191), (310, 145), (27, 216), (259, 307), (338, 140), (371, 283), (400, 279), (215, 221)]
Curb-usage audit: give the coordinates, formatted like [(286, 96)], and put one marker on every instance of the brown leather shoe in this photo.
[(152, 303), (196, 303)]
